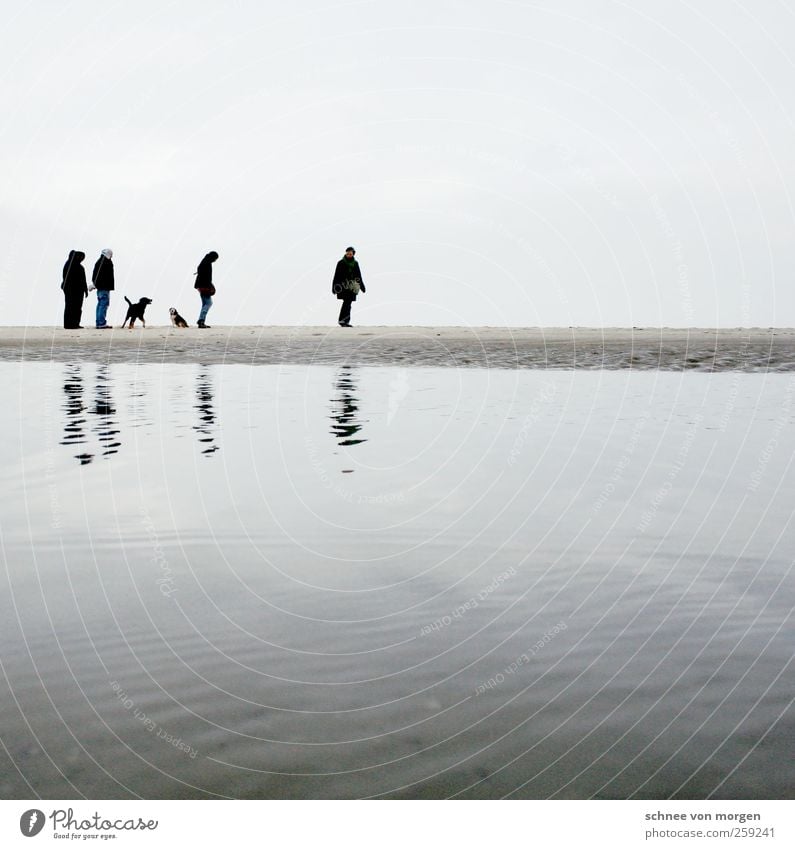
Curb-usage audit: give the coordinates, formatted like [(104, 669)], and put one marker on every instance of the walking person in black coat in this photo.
[(204, 283), (347, 284), (103, 281), (73, 284)]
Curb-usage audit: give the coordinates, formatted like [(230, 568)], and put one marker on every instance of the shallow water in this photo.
[(310, 581)]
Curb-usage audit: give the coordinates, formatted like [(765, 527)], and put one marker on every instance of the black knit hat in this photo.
[(350, 249)]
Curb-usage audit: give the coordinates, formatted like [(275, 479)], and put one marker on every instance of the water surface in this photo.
[(313, 581)]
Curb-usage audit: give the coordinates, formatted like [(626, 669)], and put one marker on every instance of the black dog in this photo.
[(176, 319), (136, 311)]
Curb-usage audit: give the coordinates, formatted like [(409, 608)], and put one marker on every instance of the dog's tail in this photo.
[(128, 300)]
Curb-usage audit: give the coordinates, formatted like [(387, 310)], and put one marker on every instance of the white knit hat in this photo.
[(107, 253)]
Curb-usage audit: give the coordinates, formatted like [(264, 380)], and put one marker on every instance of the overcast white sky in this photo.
[(494, 163)]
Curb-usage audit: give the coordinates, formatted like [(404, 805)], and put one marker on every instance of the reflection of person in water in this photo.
[(73, 431), (104, 425), (204, 406), (345, 409)]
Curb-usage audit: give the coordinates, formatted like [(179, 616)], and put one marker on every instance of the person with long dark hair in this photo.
[(204, 283), (73, 284), (347, 284)]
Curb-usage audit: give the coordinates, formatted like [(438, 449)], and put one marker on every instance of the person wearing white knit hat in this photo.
[(103, 281)]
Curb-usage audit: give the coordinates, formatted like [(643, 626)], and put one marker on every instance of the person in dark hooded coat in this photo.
[(74, 287), (204, 283), (347, 283)]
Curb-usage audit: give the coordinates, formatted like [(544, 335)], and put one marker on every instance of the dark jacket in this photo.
[(204, 273), (73, 279), (342, 274), (102, 275)]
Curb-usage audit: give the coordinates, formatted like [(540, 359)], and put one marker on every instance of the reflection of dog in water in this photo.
[(176, 319), (135, 311)]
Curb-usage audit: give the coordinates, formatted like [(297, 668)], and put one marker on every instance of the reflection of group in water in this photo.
[(346, 285), (78, 410), (92, 416)]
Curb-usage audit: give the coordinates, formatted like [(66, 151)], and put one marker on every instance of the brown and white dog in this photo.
[(176, 319)]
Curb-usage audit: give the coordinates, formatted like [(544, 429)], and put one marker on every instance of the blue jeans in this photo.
[(103, 302), (207, 302)]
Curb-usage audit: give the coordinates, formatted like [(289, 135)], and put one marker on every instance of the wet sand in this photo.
[(698, 349)]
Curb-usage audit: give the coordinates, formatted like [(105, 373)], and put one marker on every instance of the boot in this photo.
[(203, 326)]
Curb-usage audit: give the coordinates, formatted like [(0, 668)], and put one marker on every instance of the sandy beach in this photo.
[(698, 349)]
